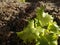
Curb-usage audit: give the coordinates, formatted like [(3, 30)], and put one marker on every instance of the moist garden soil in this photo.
[(14, 15)]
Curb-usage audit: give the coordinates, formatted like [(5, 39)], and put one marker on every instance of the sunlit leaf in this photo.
[(21, 0)]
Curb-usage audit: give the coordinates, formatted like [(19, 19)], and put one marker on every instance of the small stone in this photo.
[(56, 10), (59, 13), (54, 13), (59, 9)]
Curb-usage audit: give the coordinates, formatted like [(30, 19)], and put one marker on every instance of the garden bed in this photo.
[(14, 15)]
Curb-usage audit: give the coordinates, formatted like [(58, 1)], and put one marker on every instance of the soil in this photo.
[(14, 15)]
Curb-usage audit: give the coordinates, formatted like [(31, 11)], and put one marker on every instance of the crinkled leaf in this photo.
[(51, 37), (29, 33), (39, 12), (53, 42), (44, 18), (43, 41), (53, 27)]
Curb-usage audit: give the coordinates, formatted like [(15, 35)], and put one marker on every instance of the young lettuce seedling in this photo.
[(42, 29)]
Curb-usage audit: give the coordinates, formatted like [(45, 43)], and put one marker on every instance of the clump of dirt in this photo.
[(13, 17), (11, 12)]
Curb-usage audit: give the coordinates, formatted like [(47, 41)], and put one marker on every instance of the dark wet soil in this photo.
[(14, 15)]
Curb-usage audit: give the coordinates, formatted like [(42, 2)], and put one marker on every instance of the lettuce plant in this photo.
[(42, 29)]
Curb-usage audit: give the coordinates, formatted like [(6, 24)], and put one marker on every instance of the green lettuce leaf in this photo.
[(29, 33), (44, 18)]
